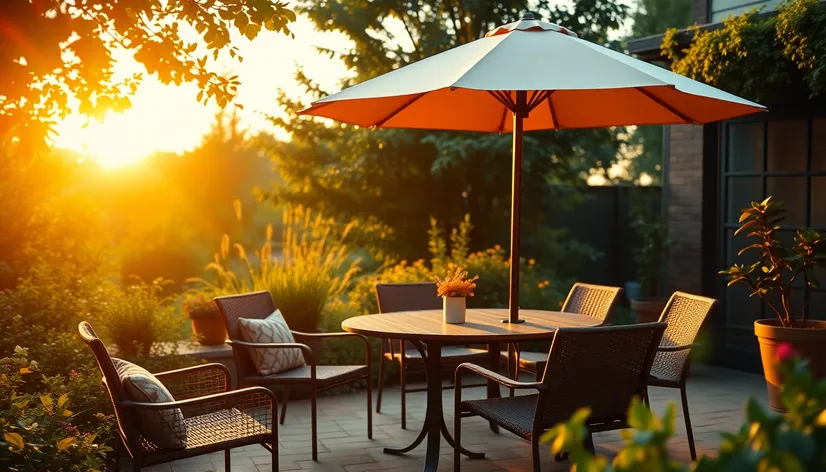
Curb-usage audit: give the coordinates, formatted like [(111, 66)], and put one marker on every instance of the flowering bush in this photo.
[(39, 430), (538, 287), (456, 284), (795, 441)]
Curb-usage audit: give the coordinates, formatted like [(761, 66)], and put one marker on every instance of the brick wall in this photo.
[(684, 208)]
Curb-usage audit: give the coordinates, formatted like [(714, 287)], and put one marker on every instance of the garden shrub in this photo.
[(795, 441), (315, 266), (47, 429), (539, 288), (138, 317)]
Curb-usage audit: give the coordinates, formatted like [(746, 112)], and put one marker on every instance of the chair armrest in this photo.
[(677, 348), (500, 379), (299, 335), (258, 403), (308, 352), (197, 381)]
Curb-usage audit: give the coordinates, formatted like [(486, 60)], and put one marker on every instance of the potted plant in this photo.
[(454, 289), (777, 276), (648, 303), (207, 323)]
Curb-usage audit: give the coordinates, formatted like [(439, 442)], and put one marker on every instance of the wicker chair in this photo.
[(215, 418), (259, 305), (685, 315), (413, 297), (600, 368), (584, 299)]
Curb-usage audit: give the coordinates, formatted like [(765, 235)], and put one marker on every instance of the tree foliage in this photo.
[(400, 178), (56, 53), (773, 59)]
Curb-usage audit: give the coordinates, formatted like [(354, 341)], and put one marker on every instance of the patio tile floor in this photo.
[(716, 397)]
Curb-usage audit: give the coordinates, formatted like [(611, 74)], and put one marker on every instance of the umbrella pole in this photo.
[(520, 111)]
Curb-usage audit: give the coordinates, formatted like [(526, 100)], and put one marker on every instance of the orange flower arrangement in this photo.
[(456, 284)]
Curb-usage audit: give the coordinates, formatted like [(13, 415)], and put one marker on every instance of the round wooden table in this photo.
[(482, 326)]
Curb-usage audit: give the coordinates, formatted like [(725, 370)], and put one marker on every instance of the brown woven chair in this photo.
[(600, 368), (583, 299), (259, 305), (685, 315), (214, 418), (394, 298)]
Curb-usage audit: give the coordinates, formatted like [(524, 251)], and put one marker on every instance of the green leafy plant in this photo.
[(795, 441), (39, 430), (314, 266), (765, 58), (778, 268), (137, 317)]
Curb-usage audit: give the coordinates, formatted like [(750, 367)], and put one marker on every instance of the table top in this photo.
[(480, 325)]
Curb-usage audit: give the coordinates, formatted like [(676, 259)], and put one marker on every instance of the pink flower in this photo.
[(784, 352)]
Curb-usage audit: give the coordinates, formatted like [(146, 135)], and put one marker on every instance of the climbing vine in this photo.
[(765, 58)]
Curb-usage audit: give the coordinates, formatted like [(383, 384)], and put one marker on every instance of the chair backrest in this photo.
[(407, 297), (685, 314), (111, 381), (593, 300), (256, 305), (601, 368)]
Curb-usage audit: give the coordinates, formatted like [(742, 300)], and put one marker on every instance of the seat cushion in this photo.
[(325, 375), (512, 413), (272, 329), (165, 428), (451, 354)]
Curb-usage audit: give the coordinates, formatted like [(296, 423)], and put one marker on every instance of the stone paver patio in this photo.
[(716, 398)]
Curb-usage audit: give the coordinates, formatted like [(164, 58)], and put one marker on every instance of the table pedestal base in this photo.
[(434, 426)]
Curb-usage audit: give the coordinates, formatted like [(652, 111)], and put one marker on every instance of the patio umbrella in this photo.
[(544, 77)]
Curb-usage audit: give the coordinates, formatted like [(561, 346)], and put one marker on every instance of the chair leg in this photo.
[(403, 384), (688, 431), (381, 379), (537, 467), (369, 404), (117, 452), (457, 428), (314, 418), (646, 400), (136, 465), (227, 463), (284, 400)]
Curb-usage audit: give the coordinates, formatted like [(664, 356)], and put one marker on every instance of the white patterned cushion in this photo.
[(272, 329), (165, 428)]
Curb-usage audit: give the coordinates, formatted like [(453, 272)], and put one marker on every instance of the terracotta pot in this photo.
[(648, 310), (210, 330), (808, 340), (454, 309)]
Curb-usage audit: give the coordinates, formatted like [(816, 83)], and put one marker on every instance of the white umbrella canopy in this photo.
[(542, 75), (591, 86)]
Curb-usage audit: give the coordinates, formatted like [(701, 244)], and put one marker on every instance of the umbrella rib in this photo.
[(381, 122), (503, 98), (551, 108), (666, 105), (538, 98), (505, 111)]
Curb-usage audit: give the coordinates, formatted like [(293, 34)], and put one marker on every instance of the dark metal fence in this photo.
[(603, 220)]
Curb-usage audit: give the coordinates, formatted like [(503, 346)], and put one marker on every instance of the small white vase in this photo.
[(454, 310)]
